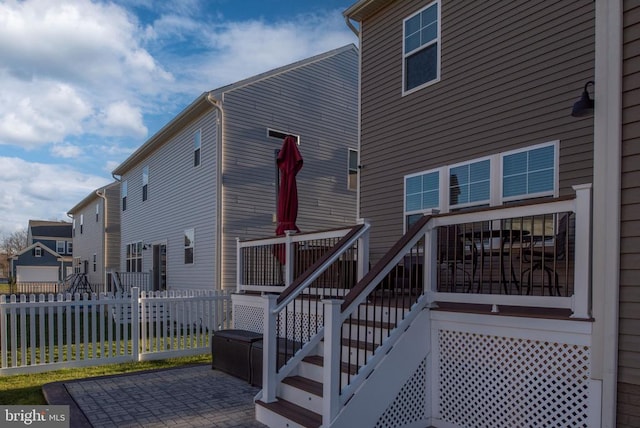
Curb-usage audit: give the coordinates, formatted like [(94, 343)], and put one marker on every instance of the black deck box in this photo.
[(231, 351), (285, 349)]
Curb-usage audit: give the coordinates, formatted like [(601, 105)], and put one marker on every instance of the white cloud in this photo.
[(65, 63), (65, 150), (40, 191), (121, 119)]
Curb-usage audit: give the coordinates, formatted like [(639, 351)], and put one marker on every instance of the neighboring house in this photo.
[(209, 176), (47, 258), (96, 234), (467, 131)]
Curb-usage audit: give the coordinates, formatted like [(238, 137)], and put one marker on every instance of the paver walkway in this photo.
[(194, 396)]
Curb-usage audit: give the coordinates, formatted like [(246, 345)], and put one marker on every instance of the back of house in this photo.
[(209, 176)]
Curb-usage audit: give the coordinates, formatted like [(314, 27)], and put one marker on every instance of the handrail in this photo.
[(308, 276)]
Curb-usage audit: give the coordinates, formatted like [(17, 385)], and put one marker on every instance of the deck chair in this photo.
[(545, 258), (453, 256)]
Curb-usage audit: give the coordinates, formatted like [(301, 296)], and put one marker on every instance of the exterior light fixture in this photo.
[(584, 106)]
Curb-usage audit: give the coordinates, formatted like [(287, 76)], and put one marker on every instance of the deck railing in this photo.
[(272, 264)]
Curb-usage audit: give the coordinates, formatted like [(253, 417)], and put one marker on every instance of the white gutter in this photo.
[(217, 104), (607, 149)]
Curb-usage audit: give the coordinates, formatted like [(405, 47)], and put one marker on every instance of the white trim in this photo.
[(281, 135), (197, 147), (607, 142), (469, 162), (438, 43)]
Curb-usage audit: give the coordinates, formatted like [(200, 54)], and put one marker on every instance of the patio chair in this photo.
[(453, 255), (546, 257)]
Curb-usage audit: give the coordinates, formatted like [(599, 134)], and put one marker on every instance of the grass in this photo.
[(27, 389)]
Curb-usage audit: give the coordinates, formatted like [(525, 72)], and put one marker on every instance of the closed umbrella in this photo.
[(289, 163)]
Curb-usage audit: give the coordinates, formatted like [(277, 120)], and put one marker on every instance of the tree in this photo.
[(14, 242)]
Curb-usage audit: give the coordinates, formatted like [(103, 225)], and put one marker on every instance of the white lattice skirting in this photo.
[(495, 381)]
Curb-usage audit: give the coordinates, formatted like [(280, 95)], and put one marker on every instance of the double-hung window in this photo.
[(470, 183), (98, 212), (60, 247), (352, 183), (134, 257), (189, 244), (421, 194), (197, 144), (421, 48), (529, 173), (123, 193), (145, 183)]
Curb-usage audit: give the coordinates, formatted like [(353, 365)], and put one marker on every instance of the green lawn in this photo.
[(27, 389)]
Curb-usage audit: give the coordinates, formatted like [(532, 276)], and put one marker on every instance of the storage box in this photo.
[(231, 351)]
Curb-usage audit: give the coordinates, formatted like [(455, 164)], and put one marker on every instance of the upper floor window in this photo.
[(37, 251), (352, 183), (81, 223), (123, 194), (470, 183), (530, 172), (60, 247), (421, 48), (69, 247), (280, 135), (145, 183), (73, 227), (197, 143), (189, 235), (97, 212)]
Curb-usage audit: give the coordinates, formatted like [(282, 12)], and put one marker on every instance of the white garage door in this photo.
[(37, 273)]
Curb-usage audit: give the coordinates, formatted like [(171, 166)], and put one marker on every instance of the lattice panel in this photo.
[(410, 404), (249, 318), (491, 381), (299, 326)]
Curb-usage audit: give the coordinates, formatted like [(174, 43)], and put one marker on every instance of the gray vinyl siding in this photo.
[(112, 228), (510, 73), (629, 328), (91, 240), (318, 102), (180, 196)]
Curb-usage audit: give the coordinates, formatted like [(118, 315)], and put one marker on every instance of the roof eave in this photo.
[(363, 8)]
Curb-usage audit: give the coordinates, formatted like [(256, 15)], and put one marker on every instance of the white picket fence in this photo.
[(42, 333)]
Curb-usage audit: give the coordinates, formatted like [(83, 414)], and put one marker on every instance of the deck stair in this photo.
[(300, 395)]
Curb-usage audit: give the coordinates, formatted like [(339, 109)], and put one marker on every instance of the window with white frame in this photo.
[(529, 172), (37, 251), (95, 261), (352, 183), (81, 223), (145, 183), (60, 247), (73, 227), (69, 247), (189, 245), (421, 48), (123, 194), (97, 212), (197, 145), (77, 265), (470, 183), (134, 257)]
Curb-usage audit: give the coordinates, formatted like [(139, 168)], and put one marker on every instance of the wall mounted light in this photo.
[(584, 106)]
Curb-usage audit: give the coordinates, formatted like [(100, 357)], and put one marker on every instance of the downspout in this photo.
[(359, 35), (217, 104), (102, 196)]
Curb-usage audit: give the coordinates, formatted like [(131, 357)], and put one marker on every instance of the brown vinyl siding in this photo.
[(629, 332), (510, 72)]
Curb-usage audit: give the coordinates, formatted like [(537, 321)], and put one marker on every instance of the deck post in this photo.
[(363, 254), (239, 276), (269, 340), (582, 276), (288, 264), (332, 363)]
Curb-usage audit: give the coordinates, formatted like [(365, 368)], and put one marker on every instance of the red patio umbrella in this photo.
[(289, 163)]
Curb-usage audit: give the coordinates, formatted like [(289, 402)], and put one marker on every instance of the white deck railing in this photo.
[(41, 333)]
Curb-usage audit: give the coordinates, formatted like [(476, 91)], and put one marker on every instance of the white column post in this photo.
[(430, 261), (135, 323), (288, 265), (239, 265), (582, 271), (269, 340), (332, 363)]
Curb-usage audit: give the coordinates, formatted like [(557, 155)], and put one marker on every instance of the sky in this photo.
[(83, 83)]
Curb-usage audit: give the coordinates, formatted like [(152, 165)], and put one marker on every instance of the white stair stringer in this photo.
[(380, 389)]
